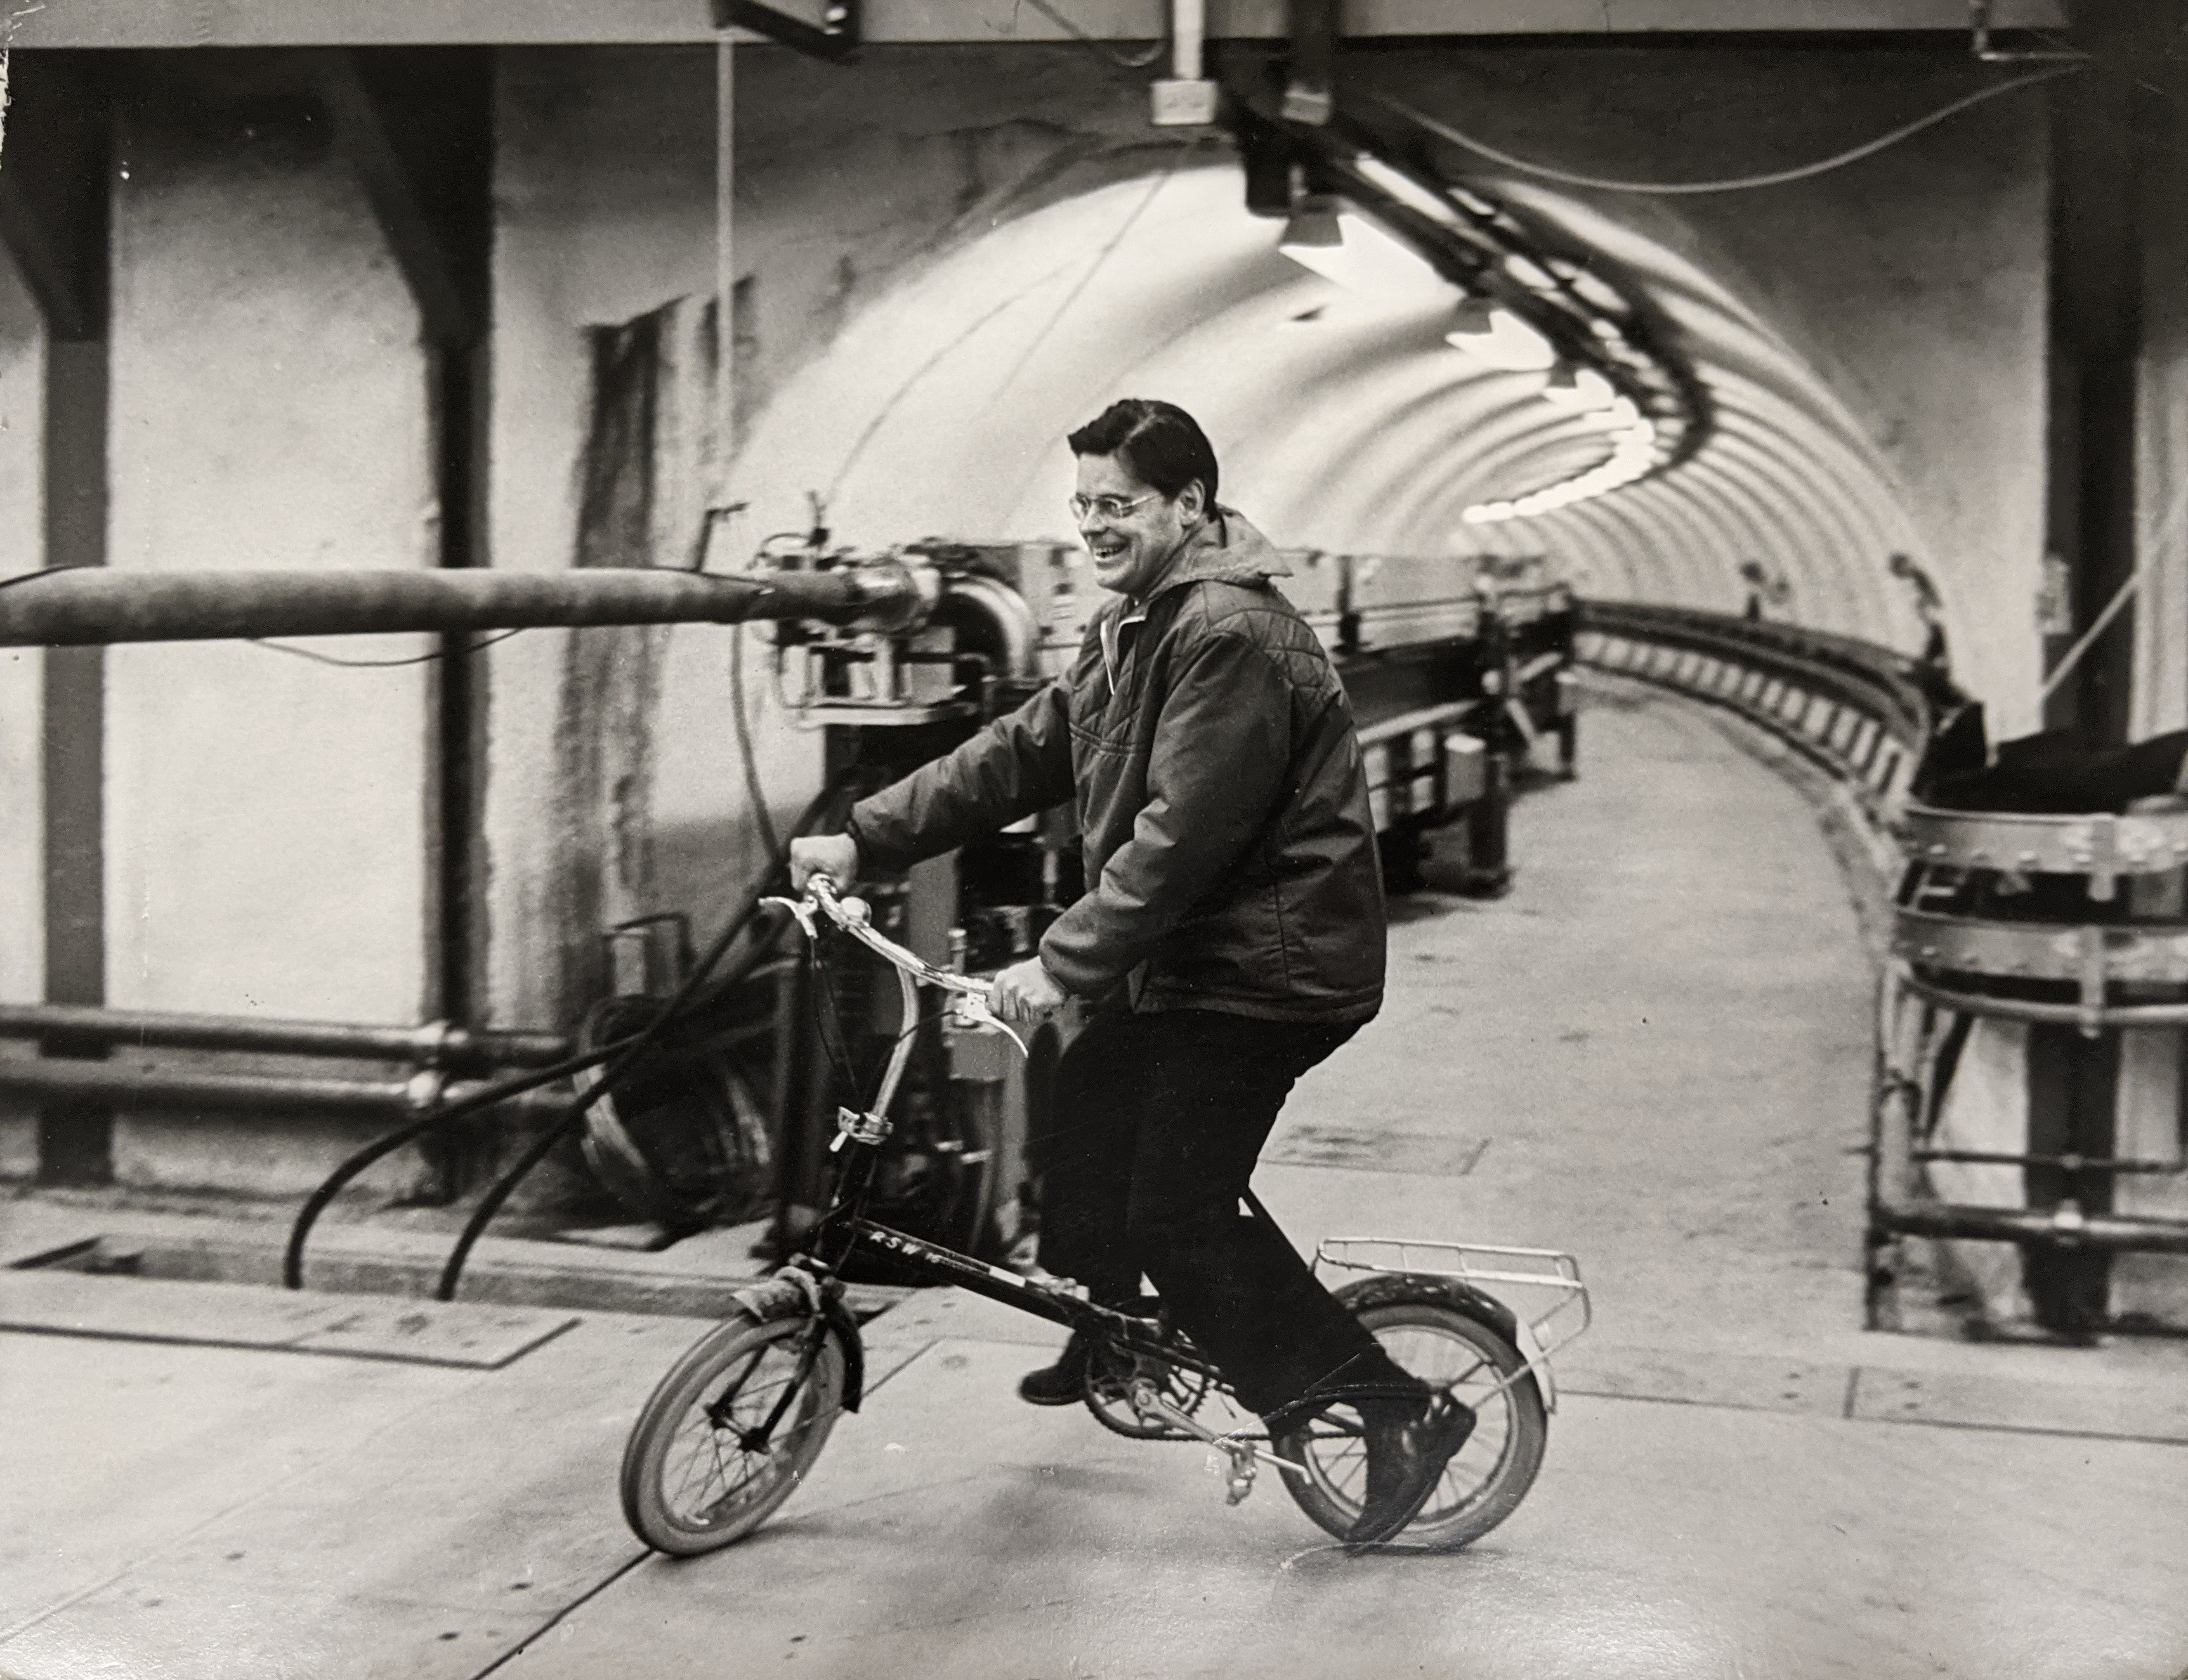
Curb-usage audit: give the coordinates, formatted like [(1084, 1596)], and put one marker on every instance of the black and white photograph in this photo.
[(1094, 839)]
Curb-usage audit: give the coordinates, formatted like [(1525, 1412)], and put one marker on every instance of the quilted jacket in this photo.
[(1223, 809)]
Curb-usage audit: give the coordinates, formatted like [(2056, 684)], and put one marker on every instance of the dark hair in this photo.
[(1159, 443)]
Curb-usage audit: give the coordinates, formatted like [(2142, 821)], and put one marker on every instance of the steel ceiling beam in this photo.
[(403, 163), (392, 23), (54, 196), (1590, 317)]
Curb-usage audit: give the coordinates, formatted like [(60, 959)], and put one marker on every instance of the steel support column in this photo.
[(2100, 126), (416, 128), (2110, 162), (54, 215)]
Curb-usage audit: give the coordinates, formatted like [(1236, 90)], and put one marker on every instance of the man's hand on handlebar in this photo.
[(1026, 991), (834, 855)]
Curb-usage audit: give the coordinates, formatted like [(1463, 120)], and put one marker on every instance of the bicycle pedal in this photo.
[(1237, 1473)]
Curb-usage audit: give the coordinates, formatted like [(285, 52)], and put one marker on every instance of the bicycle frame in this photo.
[(1144, 1379), (844, 1230)]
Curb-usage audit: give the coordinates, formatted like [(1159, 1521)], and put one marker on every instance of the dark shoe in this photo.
[(1406, 1459), (1063, 1384)]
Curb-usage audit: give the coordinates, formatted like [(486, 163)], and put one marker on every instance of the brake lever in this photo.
[(801, 908), (971, 1010)]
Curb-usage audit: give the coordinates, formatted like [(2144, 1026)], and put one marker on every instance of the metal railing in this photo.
[(1867, 713), (1874, 718)]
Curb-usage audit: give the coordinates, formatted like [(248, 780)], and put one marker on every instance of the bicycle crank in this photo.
[(1244, 1455)]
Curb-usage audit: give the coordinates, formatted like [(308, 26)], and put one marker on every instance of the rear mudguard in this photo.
[(781, 1296), (1406, 1288)]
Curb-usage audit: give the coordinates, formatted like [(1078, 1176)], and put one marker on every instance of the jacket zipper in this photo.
[(1113, 644)]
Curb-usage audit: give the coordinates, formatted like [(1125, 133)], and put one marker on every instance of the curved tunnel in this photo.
[(1343, 420)]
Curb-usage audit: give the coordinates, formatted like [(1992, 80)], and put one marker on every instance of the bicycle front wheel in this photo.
[(703, 1467), (1485, 1480)]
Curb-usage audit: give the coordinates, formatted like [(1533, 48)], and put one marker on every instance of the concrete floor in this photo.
[(1653, 1053)]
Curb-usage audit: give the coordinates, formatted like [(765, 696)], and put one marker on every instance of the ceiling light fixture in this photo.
[(1405, 189), (1633, 456), (1581, 390), (1313, 225), (1349, 250), (1499, 338)]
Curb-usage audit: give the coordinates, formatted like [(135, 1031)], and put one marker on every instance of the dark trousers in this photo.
[(1149, 1145)]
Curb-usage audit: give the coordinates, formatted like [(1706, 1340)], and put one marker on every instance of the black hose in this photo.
[(619, 1054), (627, 1056), (505, 1187), (292, 1263)]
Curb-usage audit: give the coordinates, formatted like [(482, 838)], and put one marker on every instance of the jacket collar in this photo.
[(1225, 549)]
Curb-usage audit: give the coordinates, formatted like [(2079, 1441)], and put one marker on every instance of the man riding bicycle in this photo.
[(1231, 937)]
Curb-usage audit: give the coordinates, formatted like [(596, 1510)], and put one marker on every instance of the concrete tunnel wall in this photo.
[(269, 409), (266, 834)]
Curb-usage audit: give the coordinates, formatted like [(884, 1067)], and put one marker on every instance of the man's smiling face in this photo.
[(1133, 548)]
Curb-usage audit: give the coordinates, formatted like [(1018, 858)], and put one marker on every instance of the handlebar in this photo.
[(855, 917)]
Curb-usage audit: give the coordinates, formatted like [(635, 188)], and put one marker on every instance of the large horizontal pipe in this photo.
[(246, 1093), (87, 604), (439, 1043)]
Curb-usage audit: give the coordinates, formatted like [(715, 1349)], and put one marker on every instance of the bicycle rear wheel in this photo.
[(1485, 1480), (696, 1474)]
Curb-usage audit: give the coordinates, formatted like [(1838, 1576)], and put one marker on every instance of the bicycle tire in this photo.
[(1488, 1477), (688, 1487)]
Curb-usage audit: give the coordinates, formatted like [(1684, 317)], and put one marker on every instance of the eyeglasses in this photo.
[(1110, 507)]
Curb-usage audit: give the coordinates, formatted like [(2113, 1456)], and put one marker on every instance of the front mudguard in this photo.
[(786, 1295), (1392, 1288)]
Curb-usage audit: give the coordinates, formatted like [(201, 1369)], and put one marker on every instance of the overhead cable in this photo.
[(10, 580), (1734, 184), (2121, 596), (1093, 269), (1122, 60), (881, 414), (318, 658)]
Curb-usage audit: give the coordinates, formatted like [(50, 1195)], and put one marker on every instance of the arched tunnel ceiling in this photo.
[(1344, 422)]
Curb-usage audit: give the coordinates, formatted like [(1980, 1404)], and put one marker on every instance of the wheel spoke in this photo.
[(1348, 1470), (722, 1471), (695, 1444), (1476, 1489), (694, 1477), (704, 1455)]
